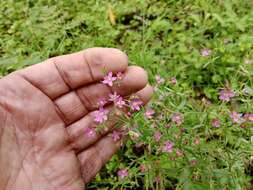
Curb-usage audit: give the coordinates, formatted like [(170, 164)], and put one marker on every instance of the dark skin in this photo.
[(44, 111)]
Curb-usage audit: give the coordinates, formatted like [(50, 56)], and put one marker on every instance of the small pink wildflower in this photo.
[(102, 102), (235, 116), (120, 102), (215, 123), (177, 118), (168, 146), (116, 135), (226, 95), (149, 113), (194, 162), (119, 75), (136, 104), (157, 136), (249, 117), (129, 114), (113, 97), (143, 168), (247, 61), (100, 115), (206, 52), (179, 153), (122, 173), (90, 132), (173, 80), (109, 79), (159, 79), (117, 99), (197, 141)]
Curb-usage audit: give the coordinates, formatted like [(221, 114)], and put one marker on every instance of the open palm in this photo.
[(44, 111)]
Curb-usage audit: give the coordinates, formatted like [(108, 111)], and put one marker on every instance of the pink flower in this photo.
[(168, 146), (226, 95), (196, 141), (194, 162), (143, 168), (235, 116), (116, 136), (159, 79), (136, 104), (117, 99), (100, 115), (108, 79), (206, 52), (247, 61), (149, 113), (113, 97), (157, 136), (215, 123), (90, 132), (122, 173), (177, 118), (102, 102), (179, 153), (120, 102), (119, 75), (249, 117), (173, 80)]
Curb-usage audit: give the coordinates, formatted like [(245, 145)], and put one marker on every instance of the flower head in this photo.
[(116, 135), (143, 168), (90, 132), (119, 75), (157, 136), (226, 95), (135, 104), (206, 52), (177, 118), (120, 102), (117, 99), (249, 117), (113, 97), (196, 141), (173, 80), (215, 123), (159, 79), (109, 79), (193, 162), (236, 117), (149, 113), (122, 173), (100, 115), (179, 153), (102, 102), (168, 146)]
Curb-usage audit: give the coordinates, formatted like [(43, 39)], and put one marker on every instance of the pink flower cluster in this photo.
[(168, 146), (206, 52), (226, 95), (101, 115), (122, 173), (177, 118)]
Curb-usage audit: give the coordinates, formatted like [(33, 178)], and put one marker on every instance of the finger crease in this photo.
[(89, 67), (62, 74)]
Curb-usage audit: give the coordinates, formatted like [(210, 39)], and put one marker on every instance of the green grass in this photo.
[(165, 37)]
